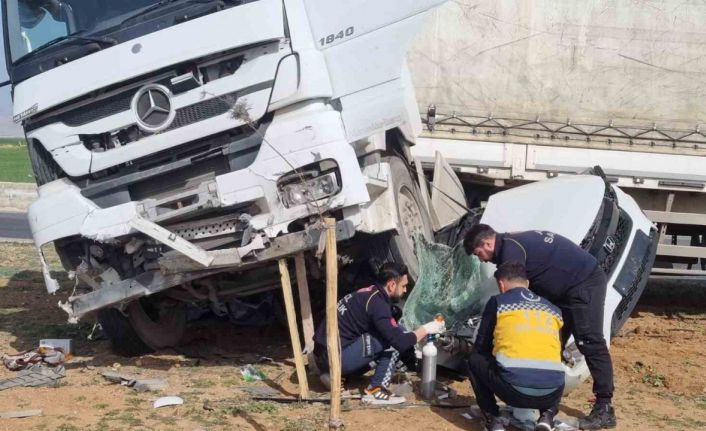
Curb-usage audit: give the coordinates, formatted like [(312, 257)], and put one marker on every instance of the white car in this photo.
[(590, 212)]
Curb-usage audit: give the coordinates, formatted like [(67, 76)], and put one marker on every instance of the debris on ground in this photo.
[(251, 374), (36, 376), (18, 414), (167, 401), (135, 382), (96, 333), (63, 344), (525, 425), (53, 356)]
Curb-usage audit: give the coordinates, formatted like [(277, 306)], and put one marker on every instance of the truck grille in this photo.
[(98, 110), (633, 278), (203, 110), (620, 240)]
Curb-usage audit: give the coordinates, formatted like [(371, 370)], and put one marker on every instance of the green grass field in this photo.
[(14, 161)]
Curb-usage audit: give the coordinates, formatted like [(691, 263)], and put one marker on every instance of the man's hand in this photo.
[(435, 327)]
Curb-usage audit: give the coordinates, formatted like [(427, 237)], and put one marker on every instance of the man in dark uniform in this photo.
[(569, 277), (369, 332)]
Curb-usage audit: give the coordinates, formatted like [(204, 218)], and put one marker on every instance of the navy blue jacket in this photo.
[(554, 263), (368, 310)]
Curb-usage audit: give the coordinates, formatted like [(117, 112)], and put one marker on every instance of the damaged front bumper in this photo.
[(179, 269), (249, 198)]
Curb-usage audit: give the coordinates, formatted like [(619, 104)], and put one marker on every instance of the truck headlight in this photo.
[(309, 190)]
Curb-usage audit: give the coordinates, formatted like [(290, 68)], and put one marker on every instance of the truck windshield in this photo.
[(31, 24)]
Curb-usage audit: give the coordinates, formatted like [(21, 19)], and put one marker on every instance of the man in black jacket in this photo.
[(569, 277), (369, 332)]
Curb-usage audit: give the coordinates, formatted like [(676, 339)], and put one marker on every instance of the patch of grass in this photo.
[(15, 142), (700, 402), (654, 379), (133, 401), (14, 164), (169, 420), (203, 383), (101, 406), (301, 424), (253, 407), (128, 418)]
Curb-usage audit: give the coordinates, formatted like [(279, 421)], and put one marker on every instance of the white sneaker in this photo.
[(381, 396)]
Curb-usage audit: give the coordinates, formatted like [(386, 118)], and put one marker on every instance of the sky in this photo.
[(7, 126)]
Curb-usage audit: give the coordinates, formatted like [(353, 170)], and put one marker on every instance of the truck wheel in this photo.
[(123, 338), (413, 217), (159, 324)]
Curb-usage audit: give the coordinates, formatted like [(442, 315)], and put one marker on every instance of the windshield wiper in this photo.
[(103, 41), (156, 6)]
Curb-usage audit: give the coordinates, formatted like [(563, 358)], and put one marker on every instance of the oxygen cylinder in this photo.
[(429, 354)]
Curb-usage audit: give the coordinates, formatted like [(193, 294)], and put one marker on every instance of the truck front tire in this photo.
[(412, 217), (143, 330)]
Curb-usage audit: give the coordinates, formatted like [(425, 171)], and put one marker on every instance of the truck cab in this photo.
[(181, 144)]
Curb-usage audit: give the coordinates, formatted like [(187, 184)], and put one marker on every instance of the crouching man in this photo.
[(369, 333), (517, 352)]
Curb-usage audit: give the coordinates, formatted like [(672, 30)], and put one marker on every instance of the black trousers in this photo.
[(583, 309), (487, 383)]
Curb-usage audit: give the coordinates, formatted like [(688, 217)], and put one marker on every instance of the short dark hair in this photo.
[(511, 271), (476, 235), (391, 271)]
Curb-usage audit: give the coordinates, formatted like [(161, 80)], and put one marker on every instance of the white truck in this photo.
[(181, 147), (515, 91)]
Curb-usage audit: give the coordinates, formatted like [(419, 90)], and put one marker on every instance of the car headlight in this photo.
[(310, 190)]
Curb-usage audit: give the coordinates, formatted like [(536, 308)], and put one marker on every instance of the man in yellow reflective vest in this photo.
[(517, 352)]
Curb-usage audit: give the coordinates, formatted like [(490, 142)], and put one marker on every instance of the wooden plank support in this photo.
[(304, 302), (293, 329), (333, 342)]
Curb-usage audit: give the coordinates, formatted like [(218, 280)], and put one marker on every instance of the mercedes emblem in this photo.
[(152, 105)]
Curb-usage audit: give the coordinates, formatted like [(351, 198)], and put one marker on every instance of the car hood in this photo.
[(564, 205)]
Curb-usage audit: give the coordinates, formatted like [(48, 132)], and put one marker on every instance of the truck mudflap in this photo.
[(176, 268)]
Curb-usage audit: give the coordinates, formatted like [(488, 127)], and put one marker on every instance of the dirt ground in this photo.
[(660, 377)]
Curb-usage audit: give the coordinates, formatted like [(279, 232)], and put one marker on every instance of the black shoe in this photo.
[(494, 423), (545, 422), (601, 417)]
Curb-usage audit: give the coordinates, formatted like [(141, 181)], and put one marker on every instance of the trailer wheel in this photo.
[(158, 323), (123, 338), (413, 217)]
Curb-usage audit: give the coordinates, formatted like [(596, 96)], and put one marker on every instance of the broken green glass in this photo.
[(450, 282)]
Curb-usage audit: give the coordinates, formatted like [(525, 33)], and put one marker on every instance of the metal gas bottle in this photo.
[(429, 354)]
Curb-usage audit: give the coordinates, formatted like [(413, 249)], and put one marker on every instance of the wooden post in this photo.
[(304, 303), (332, 340), (293, 329)]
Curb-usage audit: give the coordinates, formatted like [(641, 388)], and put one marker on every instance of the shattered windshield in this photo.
[(450, 282), (32, 24)]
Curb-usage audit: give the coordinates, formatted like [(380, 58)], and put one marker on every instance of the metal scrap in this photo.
[(135, 382), (18, 414), (167, 401), (35, 376)]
